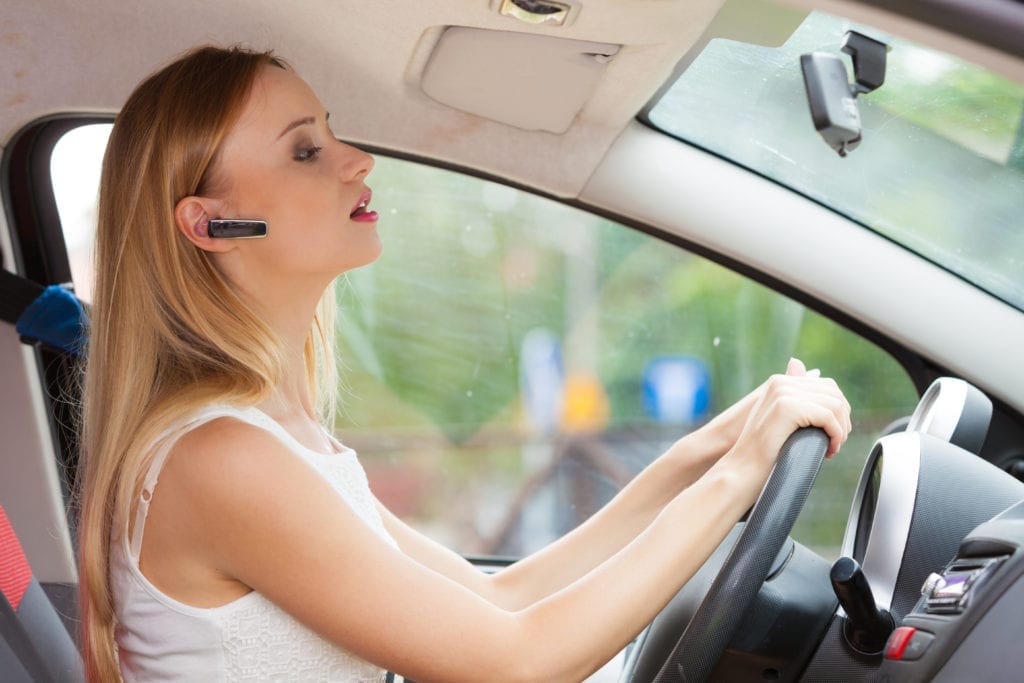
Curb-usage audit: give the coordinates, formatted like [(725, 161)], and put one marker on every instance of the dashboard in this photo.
[(921, 503), (929, 585)]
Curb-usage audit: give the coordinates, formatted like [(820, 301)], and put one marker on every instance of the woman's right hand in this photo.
[(787, 403)]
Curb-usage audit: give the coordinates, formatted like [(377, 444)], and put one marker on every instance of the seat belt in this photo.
[(52, 315)]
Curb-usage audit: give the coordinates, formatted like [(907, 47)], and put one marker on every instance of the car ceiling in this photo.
[(367, 59), (363, 58)]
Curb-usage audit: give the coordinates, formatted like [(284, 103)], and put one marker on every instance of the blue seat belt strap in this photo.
[(49, 315)]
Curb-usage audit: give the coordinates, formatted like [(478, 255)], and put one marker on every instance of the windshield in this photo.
[(940, 168)]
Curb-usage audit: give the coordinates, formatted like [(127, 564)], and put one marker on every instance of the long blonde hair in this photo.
[(168, 334)]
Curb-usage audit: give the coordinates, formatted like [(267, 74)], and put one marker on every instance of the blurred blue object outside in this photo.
[(677, 389), (542, 380)]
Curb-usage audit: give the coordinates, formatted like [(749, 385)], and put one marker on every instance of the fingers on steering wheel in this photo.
[(833, 422), (822, 405), (828, 392)]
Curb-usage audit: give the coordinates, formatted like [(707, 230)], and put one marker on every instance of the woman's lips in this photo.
[(361, 212)]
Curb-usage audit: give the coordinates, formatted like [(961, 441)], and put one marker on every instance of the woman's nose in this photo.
[(355, 163)]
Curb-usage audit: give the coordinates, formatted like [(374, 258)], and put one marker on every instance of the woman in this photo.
[(265, 554)]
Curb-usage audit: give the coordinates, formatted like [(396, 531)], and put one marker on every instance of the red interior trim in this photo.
[(15, 574)]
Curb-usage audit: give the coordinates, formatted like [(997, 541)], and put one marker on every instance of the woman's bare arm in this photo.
[(602, 535), (259, 514), (594, 541)]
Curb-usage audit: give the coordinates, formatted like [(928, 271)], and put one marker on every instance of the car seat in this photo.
[(34, 644)]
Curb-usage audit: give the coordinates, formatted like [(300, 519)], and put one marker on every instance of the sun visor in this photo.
[(529, 81)]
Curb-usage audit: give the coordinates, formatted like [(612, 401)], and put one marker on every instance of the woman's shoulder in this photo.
[(200, 438), (221, 435), (218, 472), (235, 487), (222, 465), (226, 454)]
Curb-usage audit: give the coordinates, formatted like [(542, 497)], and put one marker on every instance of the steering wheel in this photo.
[(747, 566)]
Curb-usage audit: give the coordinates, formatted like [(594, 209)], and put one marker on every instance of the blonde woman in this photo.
[(225, 535)]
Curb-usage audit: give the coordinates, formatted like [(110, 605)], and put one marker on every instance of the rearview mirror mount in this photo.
[(831, 96)]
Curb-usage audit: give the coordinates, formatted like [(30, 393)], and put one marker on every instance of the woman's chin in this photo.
[(364, 258)]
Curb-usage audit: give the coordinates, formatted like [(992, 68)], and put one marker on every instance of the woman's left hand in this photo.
[(695, 453), (728, 424)]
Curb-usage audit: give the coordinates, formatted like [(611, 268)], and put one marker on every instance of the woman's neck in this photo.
[(288, 306), (292, 397)]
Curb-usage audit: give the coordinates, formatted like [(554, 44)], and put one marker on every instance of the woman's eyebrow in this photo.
[(308, 120)]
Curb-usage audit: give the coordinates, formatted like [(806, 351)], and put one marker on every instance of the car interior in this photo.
[(604, 221)]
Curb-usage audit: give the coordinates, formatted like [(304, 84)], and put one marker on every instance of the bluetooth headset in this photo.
[(236, 228)]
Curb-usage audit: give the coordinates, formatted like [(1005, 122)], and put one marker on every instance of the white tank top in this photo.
[(250, 638)]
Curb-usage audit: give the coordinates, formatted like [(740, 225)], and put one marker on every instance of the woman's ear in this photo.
[(192, 217)]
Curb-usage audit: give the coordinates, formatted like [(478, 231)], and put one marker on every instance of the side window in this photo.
[(75, 171), (510, 362)]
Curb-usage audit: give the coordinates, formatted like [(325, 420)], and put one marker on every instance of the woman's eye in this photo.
[(308, 153)]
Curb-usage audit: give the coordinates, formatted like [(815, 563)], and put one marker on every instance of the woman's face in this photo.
[(281, 163)]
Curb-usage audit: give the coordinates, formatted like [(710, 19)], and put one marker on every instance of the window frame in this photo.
[(39, 253)]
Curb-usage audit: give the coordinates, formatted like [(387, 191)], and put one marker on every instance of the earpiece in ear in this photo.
[(236, 228)]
